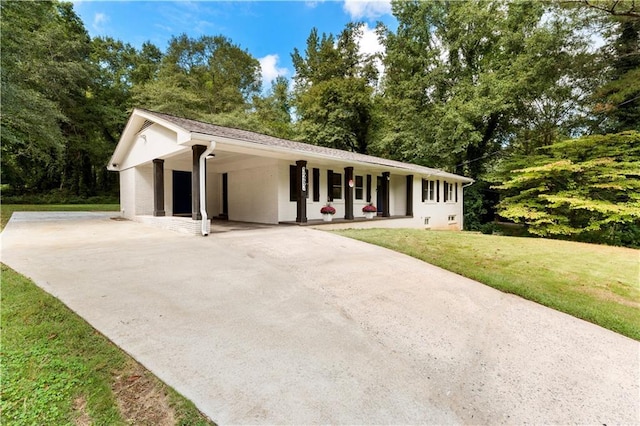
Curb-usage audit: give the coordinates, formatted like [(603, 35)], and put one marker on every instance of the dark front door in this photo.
[(379, 195), (225, 196), (181, 193)]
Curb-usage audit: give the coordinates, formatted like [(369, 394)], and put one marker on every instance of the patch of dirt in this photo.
[(80, 407), (142, 398)]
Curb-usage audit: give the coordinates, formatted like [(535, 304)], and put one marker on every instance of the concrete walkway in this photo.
[(291, 325)]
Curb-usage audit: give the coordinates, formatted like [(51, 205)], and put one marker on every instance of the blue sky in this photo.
[(269, 30)]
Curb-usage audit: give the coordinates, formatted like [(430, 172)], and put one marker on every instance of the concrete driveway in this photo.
[(292, 325)]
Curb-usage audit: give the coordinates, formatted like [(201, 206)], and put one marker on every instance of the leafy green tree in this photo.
[(200, 78), (274, 110), (585, 189), (334, 87), (618, 100), (45, 74), (464, 80)]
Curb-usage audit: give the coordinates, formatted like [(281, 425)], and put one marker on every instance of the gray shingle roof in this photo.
[(257, 138)]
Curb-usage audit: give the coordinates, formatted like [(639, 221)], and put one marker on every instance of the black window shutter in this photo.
[(368, 188), (438, 190), (456, 184), (293, 194), (316, 184), (424, 189), (329, 185), (446, 191)]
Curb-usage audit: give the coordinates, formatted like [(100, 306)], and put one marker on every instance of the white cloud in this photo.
[(370, 9), (99, 20), (270, 69), (312, 3), (370, 45)]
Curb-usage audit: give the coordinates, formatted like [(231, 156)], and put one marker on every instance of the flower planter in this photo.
[(369, 215), (327, 217)]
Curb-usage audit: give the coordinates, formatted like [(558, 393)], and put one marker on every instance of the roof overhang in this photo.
[(188, 138)]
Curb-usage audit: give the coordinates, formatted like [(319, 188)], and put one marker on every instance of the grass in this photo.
[(6, 210), (52, 359), (600, 284)]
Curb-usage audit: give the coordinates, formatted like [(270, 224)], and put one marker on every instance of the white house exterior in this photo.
[(252, 177)]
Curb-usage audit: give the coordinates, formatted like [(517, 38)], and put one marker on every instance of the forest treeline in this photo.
[(539, 102)]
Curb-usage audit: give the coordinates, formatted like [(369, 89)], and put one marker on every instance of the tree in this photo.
[(586, 189), (618, 100), (463, 79), (202, 77), (274, 110), (45, 74), (334, 91)]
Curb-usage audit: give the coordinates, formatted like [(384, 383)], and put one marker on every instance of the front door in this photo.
[(181, 193)]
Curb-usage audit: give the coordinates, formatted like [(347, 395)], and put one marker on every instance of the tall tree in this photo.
[(334, 90), (618, 100), (45, 75), (202, 77), (463, 78), (274, 110)]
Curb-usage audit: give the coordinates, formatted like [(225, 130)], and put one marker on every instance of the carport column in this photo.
[(301, 191), (348, 193), (158, 187), (386, 177), (197, 151), (410, 195)]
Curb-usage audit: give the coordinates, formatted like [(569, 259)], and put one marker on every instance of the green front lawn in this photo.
[(56, 369), (597, 283), (6, 210)]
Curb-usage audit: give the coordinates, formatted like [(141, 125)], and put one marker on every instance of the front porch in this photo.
[(356, 221)]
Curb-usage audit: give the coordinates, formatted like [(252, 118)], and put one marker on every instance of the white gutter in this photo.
[(206, 226)]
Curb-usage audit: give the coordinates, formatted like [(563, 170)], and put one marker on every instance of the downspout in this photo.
[(205, 225), (462, 205)]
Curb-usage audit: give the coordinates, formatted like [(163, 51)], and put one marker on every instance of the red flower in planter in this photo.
[(369, 208), (328, 210)]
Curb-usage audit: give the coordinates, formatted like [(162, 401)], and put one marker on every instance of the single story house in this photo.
[(174, 172)]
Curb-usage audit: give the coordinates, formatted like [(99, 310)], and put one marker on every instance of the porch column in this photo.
[(386, 177), (410, 195), (197, 151), (348, 193), (301, 191), (158, 187)]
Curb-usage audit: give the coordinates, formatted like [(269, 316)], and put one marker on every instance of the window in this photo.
[(293, 193), (316, 184), (428, 190), (452, 217), (336, 186), (450, 188), (359, 188)]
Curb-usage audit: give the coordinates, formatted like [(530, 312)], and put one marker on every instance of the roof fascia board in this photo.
[(281, 150), (127, 138), (184, 136)]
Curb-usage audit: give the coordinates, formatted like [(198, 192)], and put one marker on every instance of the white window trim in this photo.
[(451, 195), (431, 185)]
